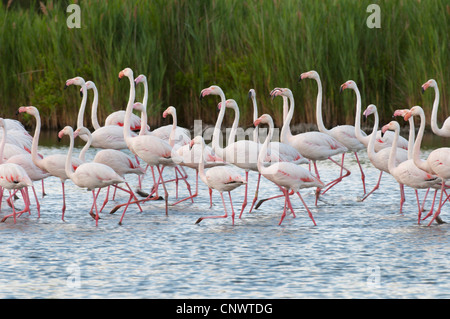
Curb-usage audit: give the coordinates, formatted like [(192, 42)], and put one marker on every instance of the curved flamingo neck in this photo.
[(94, 117), (255, 117), (434, 126), (285, 108), (144, 120), (319, 118), (233, 132), (68, 167), (371, 145), (411, 137), (286, 129), (34, 146), (359, 136), (172, 135), (216, 134), (263, 151), (129, 110), (393, 153), (416, 150), (85, 148), (82, 106)]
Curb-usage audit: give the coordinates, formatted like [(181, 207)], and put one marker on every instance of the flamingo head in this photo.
[(392, 126), (76, 81), (264, 119), (251, 94), (68, 130), (196, 140), (415, 110), (371, 109), (310, 74), (138, 106), (126, 72), (212, 90), (169, 111), (140, 79), (28, 109), (427, 84), (401, 112), (281, 91), (81, 131), (348, 85)]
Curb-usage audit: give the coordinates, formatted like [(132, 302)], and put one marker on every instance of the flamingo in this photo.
[(220, 178), (12, 177), (182, 134), (407, 173), (380, 158), (286, 152), (285, 175), (151, 149), (120, 162), (89, 175), (342, 133), (437, 162), (315, 146), (109, 136), (241, 153), (115, 118), (381, 141), (53, 164), (444, 131)]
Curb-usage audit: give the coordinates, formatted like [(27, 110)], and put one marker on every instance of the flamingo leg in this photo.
[(192, 196), (432, 205), (306, 206), (166, 194), (256, 195), (210, 198), (95, 205), (375, 188), (363, 176), (402, 197), (340, 178), (285, 205), (232, 209), (43, 188), (223, 216), (38, 206), (418, 204), (438, 211), (64, 201), (245, 197)]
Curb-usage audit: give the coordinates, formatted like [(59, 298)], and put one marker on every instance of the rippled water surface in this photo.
[(357, 250)]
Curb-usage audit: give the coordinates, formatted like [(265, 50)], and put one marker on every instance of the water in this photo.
[(357, 250)]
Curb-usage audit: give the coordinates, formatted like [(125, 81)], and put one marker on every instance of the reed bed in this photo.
[(183, 46)]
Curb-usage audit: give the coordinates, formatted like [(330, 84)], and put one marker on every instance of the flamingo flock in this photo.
[(221, 167)]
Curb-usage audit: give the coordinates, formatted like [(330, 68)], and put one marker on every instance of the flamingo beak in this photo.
[(121, 75), (257, 122), (407, 116), (343, 87)]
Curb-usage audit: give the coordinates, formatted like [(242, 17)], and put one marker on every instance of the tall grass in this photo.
[(185, 45)]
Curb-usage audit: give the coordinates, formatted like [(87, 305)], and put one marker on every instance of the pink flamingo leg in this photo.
[(420, 207), (224, 216), (210, 198), (340, 178), (402, 197), (375, 188), (286, 196), (306, 206), (38, 206), (256, 195), (363, 176), (432, 205), (129, 200), (192, 196), (438, 211), (245, 197), (232, 209), (64, 201), (96, 210)]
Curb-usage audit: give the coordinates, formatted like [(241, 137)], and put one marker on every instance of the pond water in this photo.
[(357, 250)]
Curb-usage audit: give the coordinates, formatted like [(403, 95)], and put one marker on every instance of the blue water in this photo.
[(357, 250)]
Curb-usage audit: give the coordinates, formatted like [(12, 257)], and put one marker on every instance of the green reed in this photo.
[(183, 46)]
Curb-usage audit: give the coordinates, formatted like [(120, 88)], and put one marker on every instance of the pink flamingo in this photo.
[(445, 129), (89, 175), (13, 177), (285, 175), (381, 141), (437, 162), (407, 173), (342, 133), (220, 178), (120, 162), (315, 146), (53, 164), (380, 158)]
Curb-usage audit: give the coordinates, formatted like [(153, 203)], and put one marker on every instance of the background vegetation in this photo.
[(184, 46)]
